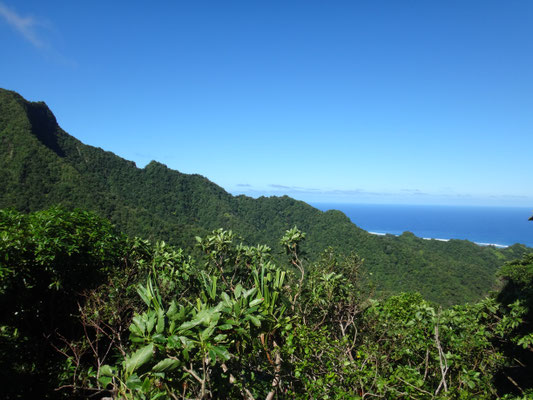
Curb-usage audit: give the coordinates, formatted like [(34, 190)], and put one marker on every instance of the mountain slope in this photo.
[(41, 165)]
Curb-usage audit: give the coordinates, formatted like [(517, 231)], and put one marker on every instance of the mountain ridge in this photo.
[(41, 165)]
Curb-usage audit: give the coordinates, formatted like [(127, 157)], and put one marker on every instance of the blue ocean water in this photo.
[(484, 225)]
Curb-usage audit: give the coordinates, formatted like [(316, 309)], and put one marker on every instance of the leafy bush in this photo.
[(96, 314), (47, 259)]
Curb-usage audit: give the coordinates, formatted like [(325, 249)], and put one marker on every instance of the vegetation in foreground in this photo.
[(89, 313)]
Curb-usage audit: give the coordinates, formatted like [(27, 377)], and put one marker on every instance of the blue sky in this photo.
[(421, 102)]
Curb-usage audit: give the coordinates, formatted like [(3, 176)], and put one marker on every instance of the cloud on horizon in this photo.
[(294, 188), (405, 195), (277, 189), (26, 26)]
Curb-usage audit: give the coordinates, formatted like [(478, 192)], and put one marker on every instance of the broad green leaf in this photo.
[(181, 313), (187, 343), (160, 321), (238, 291), (146, 385), (189, 324), (138, 320), (254, 320), (105, 380), (150, 322), (172, 310), (202, 317), (144, 294), (252, 310), (226, 298), (106, 370), (134, 329), (212, 356), (173, 342), (256, 302), (134, 382), (159, 338), (140, 357), (166, 365), (222, 352), (207, 332), (226, 310), (220, 337), (249, 292)]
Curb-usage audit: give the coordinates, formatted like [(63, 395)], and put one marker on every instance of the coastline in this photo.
[(500, 246), (486, 226)]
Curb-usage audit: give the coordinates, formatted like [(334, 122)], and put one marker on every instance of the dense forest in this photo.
[(146, 283), (90, 313), (42, 166)]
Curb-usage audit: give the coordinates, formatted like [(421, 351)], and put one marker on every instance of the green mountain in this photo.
[(41, 165)]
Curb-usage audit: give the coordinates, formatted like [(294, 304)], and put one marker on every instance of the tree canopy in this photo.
[(42, 166)]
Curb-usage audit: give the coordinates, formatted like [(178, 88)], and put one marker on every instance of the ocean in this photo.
[(502, 226)]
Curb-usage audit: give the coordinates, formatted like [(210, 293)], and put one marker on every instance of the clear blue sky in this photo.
[(348, 101)]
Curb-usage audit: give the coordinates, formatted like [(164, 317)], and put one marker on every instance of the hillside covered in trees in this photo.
[(42, 166)]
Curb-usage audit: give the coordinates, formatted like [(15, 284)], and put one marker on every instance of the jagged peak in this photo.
[(42, 120)]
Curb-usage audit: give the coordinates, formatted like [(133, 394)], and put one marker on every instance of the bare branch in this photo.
[(442, 361)]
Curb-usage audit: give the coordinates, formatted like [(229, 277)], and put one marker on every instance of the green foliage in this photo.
[(446, 353), (52, 256), (41, 166), (517, 297), (46, 260), (404, 348), (199, 340), (57, 248), (88, 310), (128, 319)]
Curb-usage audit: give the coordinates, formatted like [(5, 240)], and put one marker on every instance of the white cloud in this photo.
[(26, 26)]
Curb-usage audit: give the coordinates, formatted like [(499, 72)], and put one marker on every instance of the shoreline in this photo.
[(500, 246), (484, 226)]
